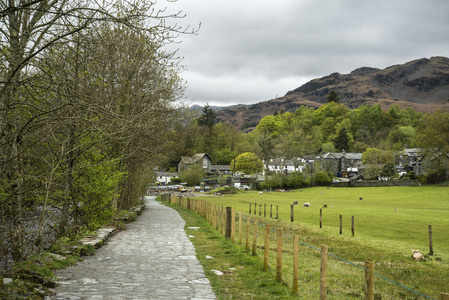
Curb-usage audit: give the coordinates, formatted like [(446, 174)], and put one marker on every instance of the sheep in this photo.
[(417, 255), (360, 198), (325, 206), (260, 193), (396, 209), (307, 204), (295, 202)]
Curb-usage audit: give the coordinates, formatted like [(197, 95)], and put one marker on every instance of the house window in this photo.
[(205, 163)]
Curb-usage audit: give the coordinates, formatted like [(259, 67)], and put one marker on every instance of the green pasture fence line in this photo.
[(344, 280)]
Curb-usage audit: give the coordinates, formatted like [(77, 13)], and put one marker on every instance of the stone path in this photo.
[(152, 259)]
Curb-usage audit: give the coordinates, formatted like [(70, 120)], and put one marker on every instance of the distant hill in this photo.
[(422, 84)]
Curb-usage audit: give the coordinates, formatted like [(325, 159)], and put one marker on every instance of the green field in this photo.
[(389, 223)]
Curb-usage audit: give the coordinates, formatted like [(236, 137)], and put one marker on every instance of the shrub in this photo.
[(436, 177), (322, 178)]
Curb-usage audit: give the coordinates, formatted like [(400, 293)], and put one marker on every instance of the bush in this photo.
[(193, 175), (175, 180), (322, 178), (282, 181), (434, 178)]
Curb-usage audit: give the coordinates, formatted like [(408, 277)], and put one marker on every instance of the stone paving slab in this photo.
[(152, 259)]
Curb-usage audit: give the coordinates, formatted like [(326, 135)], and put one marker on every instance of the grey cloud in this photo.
[(242, 46)]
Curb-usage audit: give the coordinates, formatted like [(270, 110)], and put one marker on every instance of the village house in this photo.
[(221, 169), (342, 164), (284, 165), (410, 160), (164, 178), (201, 159)]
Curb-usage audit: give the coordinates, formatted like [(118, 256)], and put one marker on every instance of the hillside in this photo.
[(422, 84)]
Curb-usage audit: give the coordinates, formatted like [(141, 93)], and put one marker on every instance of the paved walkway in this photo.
[(152, 259)]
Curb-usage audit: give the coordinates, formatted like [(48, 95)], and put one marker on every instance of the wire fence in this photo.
[(311, 272)]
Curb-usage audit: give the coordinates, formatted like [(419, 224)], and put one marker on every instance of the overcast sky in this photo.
[(248, 51)]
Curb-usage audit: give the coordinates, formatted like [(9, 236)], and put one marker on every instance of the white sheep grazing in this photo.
[(417, 255), (260, 193), (307, 204)]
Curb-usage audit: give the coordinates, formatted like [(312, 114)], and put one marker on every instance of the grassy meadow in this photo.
[(389, 223)]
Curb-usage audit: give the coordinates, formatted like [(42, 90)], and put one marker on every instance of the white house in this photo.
[(284, 165), (164, 178)]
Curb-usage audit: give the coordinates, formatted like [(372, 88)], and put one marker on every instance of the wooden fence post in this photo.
[(292, 213), (248, 225), (369, 280), (223, 219), (233, 225), (255, 238), (430, 241), (255, 208), (277, 211), (249, 208), (323, 273), (260, 210), (295, 265), (240, 227), (264, 210), (228, 222), (352, 225), (271, 211), (321, 218), (444, 296), (341, 224), (279, 256), (266, 248)]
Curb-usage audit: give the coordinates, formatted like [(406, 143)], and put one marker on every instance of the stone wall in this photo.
[(376, 183)]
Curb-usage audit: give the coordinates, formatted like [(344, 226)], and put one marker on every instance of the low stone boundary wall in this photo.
[(377, 183)]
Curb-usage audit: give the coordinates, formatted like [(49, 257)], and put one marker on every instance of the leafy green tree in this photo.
[(371, 156), (332, 97), (225, 156), (192, 175), (328, 147), (372, 172), (247, 163), (328, 128), (433, 137)]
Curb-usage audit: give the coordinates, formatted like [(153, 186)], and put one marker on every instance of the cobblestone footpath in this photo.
[(152, 259)]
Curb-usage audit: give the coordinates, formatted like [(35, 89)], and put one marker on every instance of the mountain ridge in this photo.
[(422, 84)]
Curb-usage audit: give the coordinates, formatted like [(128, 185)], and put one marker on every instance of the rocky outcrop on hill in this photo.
[(419, 81), (422, 84)]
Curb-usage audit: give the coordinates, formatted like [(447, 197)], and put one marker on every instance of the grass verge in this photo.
[(243, 276)]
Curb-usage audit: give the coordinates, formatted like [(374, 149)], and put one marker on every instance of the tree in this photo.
[(388, 170), (341, 141), (193, 175), (247, 163), (432, 135), (50, 123), (371, 156), (332, 97), (208, 117)]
